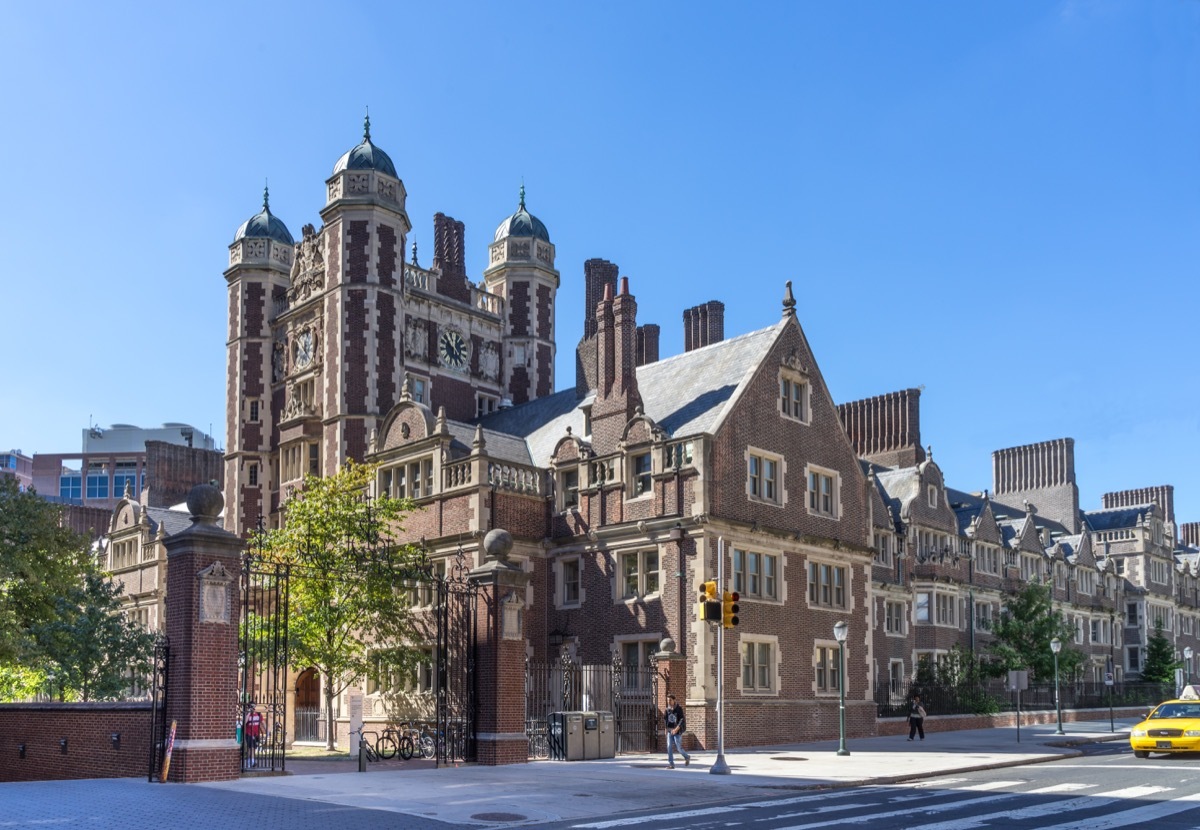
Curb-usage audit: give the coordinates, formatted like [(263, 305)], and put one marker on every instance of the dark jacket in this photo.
[(674, 719)]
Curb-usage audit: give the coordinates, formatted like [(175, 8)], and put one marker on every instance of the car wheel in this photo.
[(1141, 753)]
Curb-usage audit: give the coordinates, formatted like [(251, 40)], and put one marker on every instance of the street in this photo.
[(1106, 788)]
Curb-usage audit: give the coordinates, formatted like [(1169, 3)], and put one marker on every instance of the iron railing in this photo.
[(989, 697)]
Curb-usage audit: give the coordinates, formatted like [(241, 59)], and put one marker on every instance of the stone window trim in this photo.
[(562, 582), (756, 575), (639, 467), (765, 475), (825, 683), (795, 396), (638, 576), (932, 495), (828, 585), (895, 618), (824, 498), (773, 665), (567, 486)]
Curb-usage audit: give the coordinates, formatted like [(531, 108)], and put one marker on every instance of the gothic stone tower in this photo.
[(521, 269), (260, 259)]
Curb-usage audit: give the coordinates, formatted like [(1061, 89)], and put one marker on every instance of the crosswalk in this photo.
[(941, 804)]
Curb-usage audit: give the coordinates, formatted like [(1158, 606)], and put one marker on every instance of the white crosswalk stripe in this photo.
[(1138, 815), (1040, 810), (932, 808)]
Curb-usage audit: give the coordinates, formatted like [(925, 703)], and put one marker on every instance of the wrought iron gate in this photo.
[(158, 705), (261, 706), (457, 605), (629, 692)]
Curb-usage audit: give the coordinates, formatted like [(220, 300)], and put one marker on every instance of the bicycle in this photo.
[(409, 742), (386, 745), (539, 746), (365, 746)]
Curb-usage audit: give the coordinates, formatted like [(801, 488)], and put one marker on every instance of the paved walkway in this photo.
[(587, 790)]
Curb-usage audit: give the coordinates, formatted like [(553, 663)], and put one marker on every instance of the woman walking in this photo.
[(916, 718)]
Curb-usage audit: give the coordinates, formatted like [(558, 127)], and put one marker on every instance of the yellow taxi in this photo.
[(1173, 726)]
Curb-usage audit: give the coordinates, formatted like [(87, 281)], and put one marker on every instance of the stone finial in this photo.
[(367, 126), (497, 544), (440, 425), (414, 253), (929, 451), (479, 443), (522, 205), (789, 301), (666, 645), (128, 494), (205, 503), (406, 389)]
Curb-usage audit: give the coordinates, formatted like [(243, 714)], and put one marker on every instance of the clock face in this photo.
[(452, 349), (304, 349)]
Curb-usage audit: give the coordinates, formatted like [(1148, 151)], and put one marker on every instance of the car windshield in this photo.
[(1176, 710)]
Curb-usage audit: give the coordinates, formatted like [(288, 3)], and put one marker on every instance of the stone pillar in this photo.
[(672, 680), (203, 605), (500, 655)]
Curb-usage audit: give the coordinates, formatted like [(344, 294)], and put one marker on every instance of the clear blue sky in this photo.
[(997, 201)]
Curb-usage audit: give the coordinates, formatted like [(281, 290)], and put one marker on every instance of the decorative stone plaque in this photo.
[(214, 594), (511, 622)]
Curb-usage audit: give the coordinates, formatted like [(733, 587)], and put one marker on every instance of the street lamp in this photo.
[(1056, 647), (1187, 655), (840, 630)]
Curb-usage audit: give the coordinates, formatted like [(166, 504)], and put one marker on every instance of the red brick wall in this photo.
[(88, 728)]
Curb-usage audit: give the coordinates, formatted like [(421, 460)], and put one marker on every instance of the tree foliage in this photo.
[(348, 609), (1023, 633), (1160, 663), (89, 647), (40, 561)]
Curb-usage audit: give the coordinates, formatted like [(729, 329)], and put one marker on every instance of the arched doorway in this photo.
[(308, 705)]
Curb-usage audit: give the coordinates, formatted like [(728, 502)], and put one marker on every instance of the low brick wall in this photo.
[(87, 728)]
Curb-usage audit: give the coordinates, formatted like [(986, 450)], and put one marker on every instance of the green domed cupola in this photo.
[(522, 224), (264, 225), (366, 156)]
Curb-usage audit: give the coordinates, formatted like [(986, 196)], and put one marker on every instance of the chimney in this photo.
[(597, 273), (1189, 534), (449, 258), (885, 429), (703, 325), (1163, 496), (617, 396), (647, 344), (1043, 474)]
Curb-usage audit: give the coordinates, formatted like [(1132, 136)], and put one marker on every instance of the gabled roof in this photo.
[(688, 394), (900, 487)]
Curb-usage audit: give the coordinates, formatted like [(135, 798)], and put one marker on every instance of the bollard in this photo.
[(362, 757)]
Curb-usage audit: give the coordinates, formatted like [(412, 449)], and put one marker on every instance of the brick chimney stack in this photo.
[(647, 343), (448, 257), (1043, 474), (703, 325), (886, 429), (1189, 534), (617, 396)]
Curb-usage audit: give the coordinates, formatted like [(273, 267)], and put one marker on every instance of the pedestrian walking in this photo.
[(251, 733), (916, 718), (673, 716)]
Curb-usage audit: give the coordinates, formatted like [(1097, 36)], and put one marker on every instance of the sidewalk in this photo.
[(583, 790)]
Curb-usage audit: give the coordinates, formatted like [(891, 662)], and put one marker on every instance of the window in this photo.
[(983, 616), (570, 581), (418, 390), (945, 605), (826, 664), (70, 485), (568, 488), (932, 495), (253, 475), (826, 585), (1134, 658), (414, 480), (383, 675), (823, 486), (793, 398), (587, 420), (896, 677), (640, 474), (923, 607), (1079, 630), (97, 482), (639, 574), (314, 460), (883, 548), (987, 559), (485, 405), (1086, 581), (637, 670), (758, 665), (755, 574), (763, 477), (253, 412), (1131, 614), (894, 617), (125, 475)]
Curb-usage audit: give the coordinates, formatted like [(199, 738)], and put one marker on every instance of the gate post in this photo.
[(500, 662), (203, 563)]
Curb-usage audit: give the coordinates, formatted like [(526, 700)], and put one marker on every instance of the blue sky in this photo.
[(995, 201)]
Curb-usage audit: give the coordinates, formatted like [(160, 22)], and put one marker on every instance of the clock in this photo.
[(304, 349), (452, 349)]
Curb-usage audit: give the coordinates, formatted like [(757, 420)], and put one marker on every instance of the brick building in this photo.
[(620, 489)]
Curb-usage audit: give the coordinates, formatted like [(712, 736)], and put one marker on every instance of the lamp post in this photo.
[(840, 630), (1056, 647), (1187, 655)]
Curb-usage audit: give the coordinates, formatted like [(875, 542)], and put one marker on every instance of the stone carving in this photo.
[(214, 594), (335, 189), (308, 269), (235, 254), (387, 190), (358, 183), (792, 361), (416, 340), (489, 361), (281, 254), (518, 250), (497, 253), (278, 362), (543, 253), (256, 248)]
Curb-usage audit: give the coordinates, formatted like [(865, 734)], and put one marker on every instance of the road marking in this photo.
[(933, 808), (1138, 815), (802, 799), (1040, 810), (987, 785), (623, 822)]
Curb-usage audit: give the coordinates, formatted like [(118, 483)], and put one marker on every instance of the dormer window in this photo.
[(932, 494), (640, 474), (568, 488), (793, 397)]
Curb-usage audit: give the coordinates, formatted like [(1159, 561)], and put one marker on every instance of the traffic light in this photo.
[(709, 608), (729, 609)]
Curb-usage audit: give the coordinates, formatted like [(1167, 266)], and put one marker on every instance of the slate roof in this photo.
[(173, 521), (1115, 517), (900, 487), (688, 394)]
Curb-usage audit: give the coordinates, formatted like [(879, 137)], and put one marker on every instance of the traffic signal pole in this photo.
[(720, 766)]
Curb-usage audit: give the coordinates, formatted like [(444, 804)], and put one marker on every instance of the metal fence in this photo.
[(991, 696)]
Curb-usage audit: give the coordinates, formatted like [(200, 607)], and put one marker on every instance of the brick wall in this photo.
[(88, 729)]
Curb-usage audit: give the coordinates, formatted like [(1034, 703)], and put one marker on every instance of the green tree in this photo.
[(1023, 633), (40, 561), (1160, 663), (91, 648), (348, 611)]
